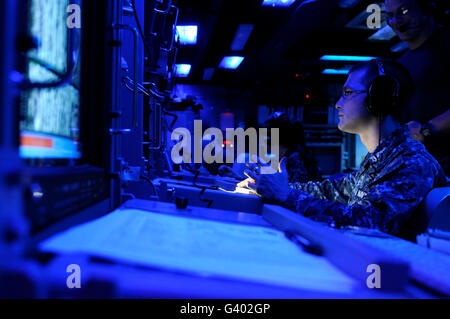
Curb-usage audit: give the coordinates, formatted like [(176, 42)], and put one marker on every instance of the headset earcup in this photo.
[(382, 95), (373, 98), (369, 104)]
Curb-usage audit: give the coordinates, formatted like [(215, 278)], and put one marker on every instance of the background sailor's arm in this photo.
[(441, 123), (436, 126)]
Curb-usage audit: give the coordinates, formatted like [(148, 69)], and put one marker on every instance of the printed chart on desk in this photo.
[(199, 246)]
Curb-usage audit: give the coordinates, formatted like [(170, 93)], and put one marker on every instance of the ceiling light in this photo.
[(348, 3), (334, 71), (278, 3), (242, 34), (399, 47), (231, 62), (384, 34), (187, 34), (182, 70), (346, 58), (208, 74)]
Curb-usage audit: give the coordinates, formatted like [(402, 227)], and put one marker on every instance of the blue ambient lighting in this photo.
[(346, 58), (242, 34), (188, 34), (334, 71), (182, 70), (384, 34), (208, 74), (278, 3), (231, 62)]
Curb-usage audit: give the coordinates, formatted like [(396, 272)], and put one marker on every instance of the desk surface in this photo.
[(199, 212), (192, 277), (428, 267)]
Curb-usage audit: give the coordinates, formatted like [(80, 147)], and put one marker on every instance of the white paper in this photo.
[(253, 253)]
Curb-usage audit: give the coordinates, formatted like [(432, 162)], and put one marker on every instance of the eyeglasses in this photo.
[(402, 11), (346, 93)]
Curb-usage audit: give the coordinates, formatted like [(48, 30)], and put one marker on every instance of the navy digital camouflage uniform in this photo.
[(382, 194), (301, 168)]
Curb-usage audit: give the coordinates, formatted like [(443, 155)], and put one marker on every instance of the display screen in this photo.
[(49, 125)]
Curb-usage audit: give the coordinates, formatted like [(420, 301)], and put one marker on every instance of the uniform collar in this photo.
[(384, 149)]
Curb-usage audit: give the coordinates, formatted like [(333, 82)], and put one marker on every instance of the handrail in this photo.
[(166, 11), (174, 30), (127, 27)]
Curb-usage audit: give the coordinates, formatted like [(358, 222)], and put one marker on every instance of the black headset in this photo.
[(382, 93)]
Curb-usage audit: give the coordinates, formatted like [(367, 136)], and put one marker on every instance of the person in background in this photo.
[(301, 166), (428, 61), (394, 177)]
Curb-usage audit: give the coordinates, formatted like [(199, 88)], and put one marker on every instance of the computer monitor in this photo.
[(63, 125), (50, 117)]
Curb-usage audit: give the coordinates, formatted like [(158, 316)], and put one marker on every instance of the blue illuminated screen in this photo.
[(49, 126)]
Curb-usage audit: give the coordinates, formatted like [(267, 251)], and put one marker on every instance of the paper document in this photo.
[(252, 253)]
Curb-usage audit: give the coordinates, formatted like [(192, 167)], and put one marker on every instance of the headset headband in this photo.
[(382, 72), (382, 88), (380, 67)]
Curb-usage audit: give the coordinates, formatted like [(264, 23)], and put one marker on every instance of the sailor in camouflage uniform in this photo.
[(393, 179), (391, 182)]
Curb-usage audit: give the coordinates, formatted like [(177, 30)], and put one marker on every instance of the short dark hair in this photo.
[(291, 133), (396, 70)]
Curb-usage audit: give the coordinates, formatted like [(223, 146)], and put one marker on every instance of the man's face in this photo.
[(353, 114), (405, 18)]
